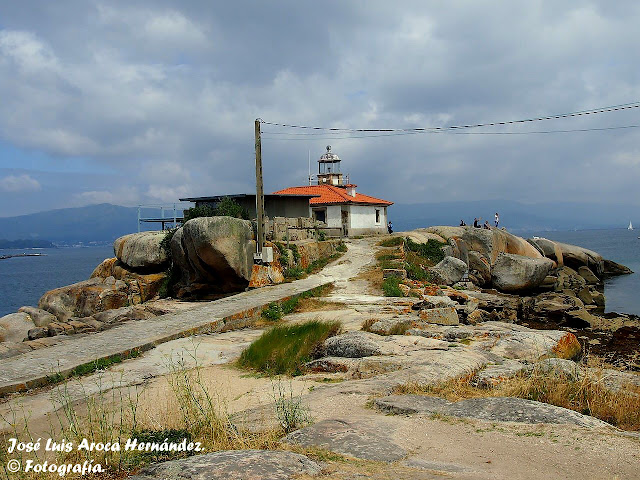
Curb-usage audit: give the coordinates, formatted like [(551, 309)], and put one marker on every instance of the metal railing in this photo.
[(169, 216)]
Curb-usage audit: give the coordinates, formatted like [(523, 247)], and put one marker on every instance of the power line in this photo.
[(595, 111), (394, 134)]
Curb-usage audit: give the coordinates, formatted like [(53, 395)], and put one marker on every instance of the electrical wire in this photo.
[(594, 111)]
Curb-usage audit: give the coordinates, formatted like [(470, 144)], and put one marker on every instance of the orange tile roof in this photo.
[(331, 194)]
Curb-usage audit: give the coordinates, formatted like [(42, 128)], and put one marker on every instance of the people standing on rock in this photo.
[(497, 219), (475, 223), (390, 227), (486, 225), (462, 224)]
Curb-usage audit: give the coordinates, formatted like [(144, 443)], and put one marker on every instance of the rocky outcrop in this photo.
[(352, 345), (142, 250), (612, 268), (449, 271), (83, 299), (517, 273), (141, 287), (15, 327), (489, 243), (216, 252), (233, 465), (41, 318)]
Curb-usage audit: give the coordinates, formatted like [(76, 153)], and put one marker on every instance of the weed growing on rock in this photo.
[(286, 349), (432, 250), (391, 242), (391, 287), (290, 411)]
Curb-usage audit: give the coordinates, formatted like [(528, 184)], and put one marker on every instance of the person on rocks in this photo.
[(497, 219), (475, 223), (486, 225), (462, 224), (390, 227)]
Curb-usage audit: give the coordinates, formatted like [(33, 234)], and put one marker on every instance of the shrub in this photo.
[(285, 349), (321, 236), (272, 312), (391, 287), (294, 273), (342, 247), (227, 207), (391, 242), (432, 250)]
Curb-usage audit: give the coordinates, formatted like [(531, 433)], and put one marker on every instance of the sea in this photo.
[(23, 280)]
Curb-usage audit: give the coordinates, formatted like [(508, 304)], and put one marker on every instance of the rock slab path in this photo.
[(34, 368)]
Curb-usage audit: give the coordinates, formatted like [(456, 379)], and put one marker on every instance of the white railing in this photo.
[(168, 216)]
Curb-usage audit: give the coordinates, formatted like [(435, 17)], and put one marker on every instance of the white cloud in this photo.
[(19, 183)]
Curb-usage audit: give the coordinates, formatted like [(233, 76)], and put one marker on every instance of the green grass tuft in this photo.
[(285, 349), (391, 287), (432, 250), (391, 242)]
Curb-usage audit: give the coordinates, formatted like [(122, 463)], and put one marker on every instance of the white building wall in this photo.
[(363, 219), (334, 216)]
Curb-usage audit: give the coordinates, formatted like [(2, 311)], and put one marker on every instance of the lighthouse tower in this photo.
[(329, 169)]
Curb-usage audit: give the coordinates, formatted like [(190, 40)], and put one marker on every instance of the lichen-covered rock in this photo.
[(353, 345), (142, 287), (219, 251), (142, 250), (449, 271), (489, 243), (548, 248), (440, 316), (576, 257), (15, 327), (41, 318), (588, 275), (233, 465), (480, 266), (83, 299), (516, 273)]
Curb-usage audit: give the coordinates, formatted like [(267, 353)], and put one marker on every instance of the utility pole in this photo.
[(259, 190)]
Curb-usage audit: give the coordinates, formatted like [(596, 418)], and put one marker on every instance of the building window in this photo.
[(320, 215), (377, 216)]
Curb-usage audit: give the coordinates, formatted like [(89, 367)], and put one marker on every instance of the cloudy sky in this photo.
[(147, 101)]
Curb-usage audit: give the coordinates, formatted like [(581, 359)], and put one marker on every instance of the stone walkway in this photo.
[(32, 369)]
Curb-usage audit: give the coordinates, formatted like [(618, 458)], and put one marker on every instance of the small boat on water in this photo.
[(630, 227)]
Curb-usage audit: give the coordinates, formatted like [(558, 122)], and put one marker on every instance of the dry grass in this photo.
[(189, 409), (587, 394)]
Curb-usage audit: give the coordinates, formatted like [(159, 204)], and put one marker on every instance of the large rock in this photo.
[(15, 327), (449, 271), (516, 273), (142, 287), (41, 318), (142, 250), (489, 243), (218, 251), (233, 465), (353, 345), (480, 268), (548, 248), (576, 257), (492, 409), (440, 316), (83, 299), (612, 268)]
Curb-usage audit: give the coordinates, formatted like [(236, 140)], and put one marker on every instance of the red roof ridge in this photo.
[(332, 194)]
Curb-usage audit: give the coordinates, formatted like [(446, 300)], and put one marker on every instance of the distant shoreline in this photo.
[(5, 257)]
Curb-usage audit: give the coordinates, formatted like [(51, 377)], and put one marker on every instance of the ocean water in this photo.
[(23, 280), (620, 245)]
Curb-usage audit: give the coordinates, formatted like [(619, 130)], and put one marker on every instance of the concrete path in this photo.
[(32, 369)]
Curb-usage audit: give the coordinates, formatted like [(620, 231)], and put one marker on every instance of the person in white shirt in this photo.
[(497, 219)]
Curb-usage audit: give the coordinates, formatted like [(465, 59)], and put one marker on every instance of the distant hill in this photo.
[(94, 223), (25, 243), (516, 216)]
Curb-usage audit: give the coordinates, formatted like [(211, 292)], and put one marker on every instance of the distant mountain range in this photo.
[(25, 243), (104, 223), (94, 223)]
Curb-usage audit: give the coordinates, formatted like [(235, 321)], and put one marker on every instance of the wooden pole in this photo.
[(259, 189)]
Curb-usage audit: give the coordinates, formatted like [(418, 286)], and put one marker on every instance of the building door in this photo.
[(345, 222)]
